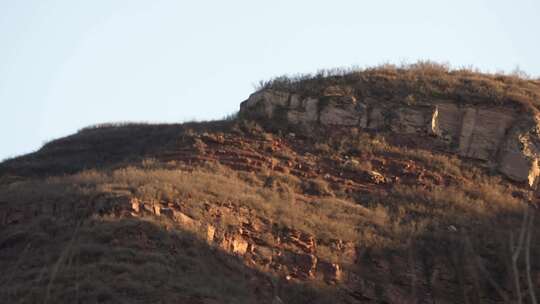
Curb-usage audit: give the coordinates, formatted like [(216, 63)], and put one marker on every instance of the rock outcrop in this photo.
[(502, 136), (293, 254)]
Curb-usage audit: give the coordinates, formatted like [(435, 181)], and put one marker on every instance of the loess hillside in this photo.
[(251, 210)]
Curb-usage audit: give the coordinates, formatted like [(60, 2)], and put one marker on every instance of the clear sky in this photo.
[(66, 64)]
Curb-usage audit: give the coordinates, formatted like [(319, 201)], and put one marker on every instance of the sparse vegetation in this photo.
[(422, 80), (389, 215)]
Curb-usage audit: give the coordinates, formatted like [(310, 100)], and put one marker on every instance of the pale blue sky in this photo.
[(67, 64)]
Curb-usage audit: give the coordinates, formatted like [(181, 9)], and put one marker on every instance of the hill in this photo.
[(388, 185)]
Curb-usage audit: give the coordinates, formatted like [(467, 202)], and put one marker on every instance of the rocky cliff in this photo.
[(503, 136), (375, 187)]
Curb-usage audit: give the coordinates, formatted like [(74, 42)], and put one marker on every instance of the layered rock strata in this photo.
[(503, 137)]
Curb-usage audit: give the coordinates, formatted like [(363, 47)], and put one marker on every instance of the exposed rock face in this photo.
[(415, 120), (294, 255), (303, 111), (519, 152), (264, 103), (339, 110), (500, 136), (482, 131)]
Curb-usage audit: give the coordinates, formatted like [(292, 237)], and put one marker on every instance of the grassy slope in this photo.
[(435, 210)]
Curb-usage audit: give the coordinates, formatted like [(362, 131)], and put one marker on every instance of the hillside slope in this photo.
[(262, 209)]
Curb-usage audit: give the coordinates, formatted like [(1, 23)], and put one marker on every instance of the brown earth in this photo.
[(243, 211)]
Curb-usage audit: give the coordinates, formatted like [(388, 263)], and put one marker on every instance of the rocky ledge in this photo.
[(506, 138)]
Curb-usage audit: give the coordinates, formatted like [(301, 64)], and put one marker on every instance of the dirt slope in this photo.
[(241, 212)]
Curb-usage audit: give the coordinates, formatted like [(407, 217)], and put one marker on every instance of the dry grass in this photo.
[(409, 212), (83, 264), (273, 196), (137, 268), (80, 265), (419, 81), (211, 183)]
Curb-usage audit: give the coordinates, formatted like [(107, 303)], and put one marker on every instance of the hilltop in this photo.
[(490, 118), (386, 185)]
